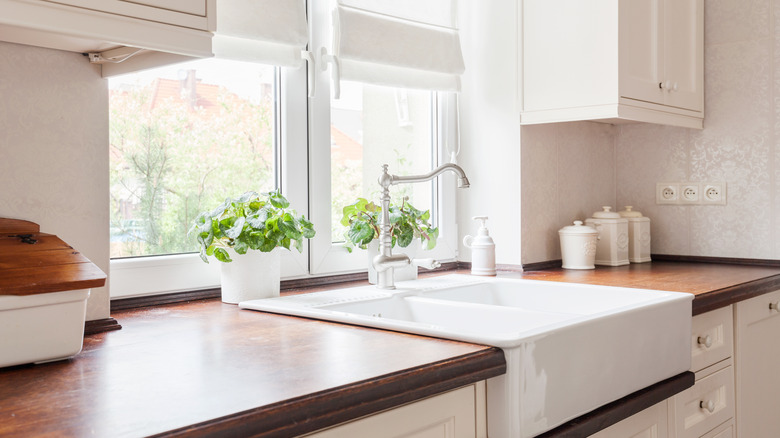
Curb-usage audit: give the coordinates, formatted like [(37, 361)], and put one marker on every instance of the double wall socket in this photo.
[(691, 193)]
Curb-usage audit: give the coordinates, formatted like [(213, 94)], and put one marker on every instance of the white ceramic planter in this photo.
[(251, 276), (399, 274), (42, 327)]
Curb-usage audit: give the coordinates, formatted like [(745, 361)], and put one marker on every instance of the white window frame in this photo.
[(330, 258), (304, 177), (138, 276)]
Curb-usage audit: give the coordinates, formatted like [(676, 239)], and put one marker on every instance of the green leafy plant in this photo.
[(253, 221), (406, 223)]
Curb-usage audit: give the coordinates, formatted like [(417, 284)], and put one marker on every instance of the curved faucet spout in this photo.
[(386, 180), (385, 262)]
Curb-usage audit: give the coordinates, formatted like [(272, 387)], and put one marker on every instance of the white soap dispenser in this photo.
[(483, 250)]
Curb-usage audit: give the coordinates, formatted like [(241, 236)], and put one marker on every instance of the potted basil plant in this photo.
[(245, 234), (410, 229)]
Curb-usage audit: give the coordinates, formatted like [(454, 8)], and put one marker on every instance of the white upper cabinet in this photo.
[(613, 61), (165, 31)]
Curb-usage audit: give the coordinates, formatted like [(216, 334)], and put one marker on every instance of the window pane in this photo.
[(182, 139), (372, 126)]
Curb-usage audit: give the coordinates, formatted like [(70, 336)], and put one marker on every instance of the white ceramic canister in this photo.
[(483, 250), (638, 235), (578, 246), (612, 249)]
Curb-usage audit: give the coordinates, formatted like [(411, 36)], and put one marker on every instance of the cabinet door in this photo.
[(641, 50), (449, 415), (757, 328), (684, 53), (193, 14), (650, 423)]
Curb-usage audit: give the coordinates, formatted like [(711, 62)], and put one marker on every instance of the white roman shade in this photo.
[(402, 43), (266, 31)]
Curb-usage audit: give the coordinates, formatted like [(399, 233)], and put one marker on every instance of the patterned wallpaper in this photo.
[(568, 172), (739, 144), (53, 144)]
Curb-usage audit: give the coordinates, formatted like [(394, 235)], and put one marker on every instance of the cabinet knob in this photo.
[(705, 340), (709, 405), (674, 87), (775, 306)]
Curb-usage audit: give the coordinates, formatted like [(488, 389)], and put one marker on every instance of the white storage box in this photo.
[(41, 328), (44, 287)]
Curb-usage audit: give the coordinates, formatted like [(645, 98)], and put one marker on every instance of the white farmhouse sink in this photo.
[(569, 348)]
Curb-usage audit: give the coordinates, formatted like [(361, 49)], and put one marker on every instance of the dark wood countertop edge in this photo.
[(716, 299), (623, 408), (337, 405)]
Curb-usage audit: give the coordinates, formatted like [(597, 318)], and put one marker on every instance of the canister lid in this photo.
[(578, 228), (607, 213), (629, 212)]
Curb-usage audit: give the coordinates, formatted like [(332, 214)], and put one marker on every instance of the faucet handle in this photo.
[(426, 263)]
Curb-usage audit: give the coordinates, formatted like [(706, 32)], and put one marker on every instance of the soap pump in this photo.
[(483, 250)]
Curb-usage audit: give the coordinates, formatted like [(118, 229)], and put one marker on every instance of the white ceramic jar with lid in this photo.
[(483, 250), (638, 235), (578, 246), (612, 248)]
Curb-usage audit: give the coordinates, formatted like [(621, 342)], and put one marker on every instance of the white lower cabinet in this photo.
[(460, 413), (650, 423), (757, 366)]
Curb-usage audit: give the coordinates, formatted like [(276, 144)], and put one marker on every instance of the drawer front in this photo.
[(650, 423), (722, 431), (707, 404), (712, 338)]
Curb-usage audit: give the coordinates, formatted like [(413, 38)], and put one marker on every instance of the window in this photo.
[(186, 136), (371, 126), (182, 138)]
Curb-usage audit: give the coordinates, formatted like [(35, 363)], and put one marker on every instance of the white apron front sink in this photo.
[(569, 348)]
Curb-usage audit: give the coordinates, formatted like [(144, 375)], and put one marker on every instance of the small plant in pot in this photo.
[(408, 225), (244, 234)]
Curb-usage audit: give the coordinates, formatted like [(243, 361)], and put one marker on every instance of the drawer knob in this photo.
[(709, 405), (775, 306), (705, 340)]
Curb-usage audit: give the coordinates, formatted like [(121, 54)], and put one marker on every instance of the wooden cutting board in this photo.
[(32, 262)]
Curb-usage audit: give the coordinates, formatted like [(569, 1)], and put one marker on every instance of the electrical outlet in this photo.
[(667, 193), (713, 193), (689, 193)]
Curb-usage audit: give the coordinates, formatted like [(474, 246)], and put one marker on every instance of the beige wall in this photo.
[(53, 145), (568, 173), (740, 144)]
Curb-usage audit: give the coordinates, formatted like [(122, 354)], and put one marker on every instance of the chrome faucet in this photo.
[(385, 263)]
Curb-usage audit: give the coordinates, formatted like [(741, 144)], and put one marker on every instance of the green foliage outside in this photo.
[(171, 162)]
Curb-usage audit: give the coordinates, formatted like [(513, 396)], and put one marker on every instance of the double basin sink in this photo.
[(570, 348)]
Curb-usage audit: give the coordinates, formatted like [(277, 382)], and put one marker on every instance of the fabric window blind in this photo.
[(265, 31), (400, 43)]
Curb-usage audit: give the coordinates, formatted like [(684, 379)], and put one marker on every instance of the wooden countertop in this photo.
[(207, 367), (714, 284)]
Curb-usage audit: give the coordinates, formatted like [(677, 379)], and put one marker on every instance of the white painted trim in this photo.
[(329, 258), (174, 273)]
